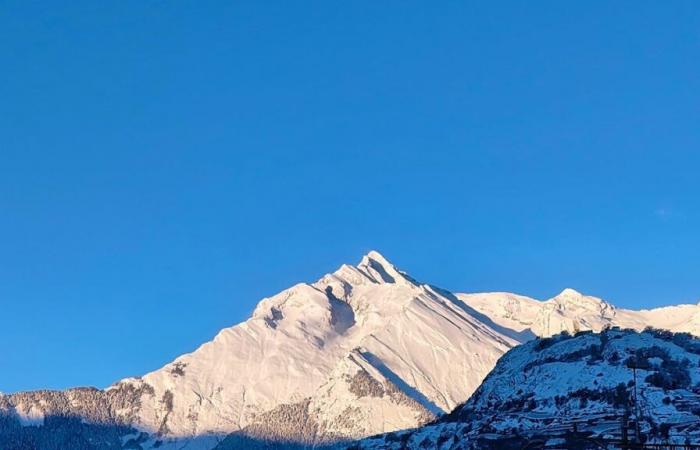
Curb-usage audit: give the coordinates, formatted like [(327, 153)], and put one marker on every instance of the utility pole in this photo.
[(636, 404), (624, 429)]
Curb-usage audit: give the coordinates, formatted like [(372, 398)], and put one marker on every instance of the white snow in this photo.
[(29, 415), (305, 342), (573, 311), (545, 390), (297, 344)]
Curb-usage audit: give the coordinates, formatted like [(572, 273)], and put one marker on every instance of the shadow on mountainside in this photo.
[(520, 336), (62, 432), (236, 441), (58, 432), (409, 390), (342, 315)]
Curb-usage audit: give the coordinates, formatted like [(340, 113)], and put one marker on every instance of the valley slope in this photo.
[(574, 392)]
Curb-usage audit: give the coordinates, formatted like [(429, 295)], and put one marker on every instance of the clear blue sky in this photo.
[(164, 165)]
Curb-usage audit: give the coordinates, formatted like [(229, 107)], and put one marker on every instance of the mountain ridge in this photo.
[(319, 362)]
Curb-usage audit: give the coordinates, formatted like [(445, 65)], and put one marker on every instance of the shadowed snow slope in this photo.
[(574, 391), (364, 350)]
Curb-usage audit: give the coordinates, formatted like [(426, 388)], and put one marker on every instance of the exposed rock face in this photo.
[(118, 405)]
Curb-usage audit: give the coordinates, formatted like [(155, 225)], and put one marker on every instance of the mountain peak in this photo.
[(377, 267), (569, 293), (374, 255), (571, 299)]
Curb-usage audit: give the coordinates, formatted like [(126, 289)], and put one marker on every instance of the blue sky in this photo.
[(164, 165)]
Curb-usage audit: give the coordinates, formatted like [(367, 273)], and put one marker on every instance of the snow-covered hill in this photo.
[(574, 392), (364, 350)]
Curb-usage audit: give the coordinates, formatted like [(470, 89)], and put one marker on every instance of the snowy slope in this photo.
[(363, 350), (296, 359), (574, 389), (572, 311)]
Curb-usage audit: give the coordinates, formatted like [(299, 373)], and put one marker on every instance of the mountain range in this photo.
[(364, 350)]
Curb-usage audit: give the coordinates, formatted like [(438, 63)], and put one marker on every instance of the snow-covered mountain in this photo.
[(364, 350), (572, 311), (574, 392)]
